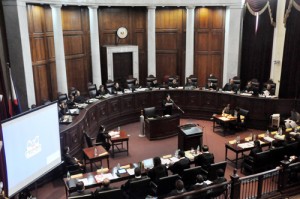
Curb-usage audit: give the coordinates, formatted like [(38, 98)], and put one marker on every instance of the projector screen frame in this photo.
[(3, 153)]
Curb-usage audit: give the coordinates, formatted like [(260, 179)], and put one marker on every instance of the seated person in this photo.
[(211, 85), (288, 140), (199, 183), (154, 84), (181, 164), (102, 138), (158, 170), (227, 110), (105, 187), (174, 83), (179, 188), (63, 109), (116, 88), (248, 88), (137, 177), (268, 91), (70, 102), (78, 98), (70, 160), (190, 84), (205, 159), (102, 91), (81, 190), (257, 148), (230, 86), (167, 105), (295, 116)]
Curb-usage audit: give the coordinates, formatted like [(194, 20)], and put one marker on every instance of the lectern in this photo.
[(190, 135)]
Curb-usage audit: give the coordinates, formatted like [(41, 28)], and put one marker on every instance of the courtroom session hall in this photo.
[(149, 99)]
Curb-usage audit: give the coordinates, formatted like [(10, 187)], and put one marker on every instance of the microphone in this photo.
[(171, 100)]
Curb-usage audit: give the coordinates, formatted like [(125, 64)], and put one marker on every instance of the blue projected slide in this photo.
[(32, 146)]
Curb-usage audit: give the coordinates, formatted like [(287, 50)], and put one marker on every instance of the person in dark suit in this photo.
[(102, 138), (210, 85), (158, 170), (63, 108), (167, 105), (70, 102), (200, 184), (102, 91), (116, 88), (70, 160), (78, 98), (257, 148), (230, 86), (268, 91), (181, 164), (227, 110), (154, 84), (179, 188), (248, 88), (81, 190), (137, 177), (205, 159), (174, 83), (105, 187)]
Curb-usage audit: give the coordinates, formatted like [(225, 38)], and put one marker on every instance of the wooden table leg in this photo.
[(127, 148)]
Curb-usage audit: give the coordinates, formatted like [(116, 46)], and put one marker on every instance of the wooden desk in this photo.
[(117, 141), (162, 127), (89, 154), (237, 150), (223, 121)]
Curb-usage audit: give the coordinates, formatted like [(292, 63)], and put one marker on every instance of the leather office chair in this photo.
[(149, 81), (259, 163), (189, 175), (63, 97), (139, 189), (242, 121), (149, 112), (130, 83), (255, 86), (165, 185), (109, 86), (237, 82), (109, 194), (212, 82), (212, 170), (92, 89), (217, 190), (90, 142)]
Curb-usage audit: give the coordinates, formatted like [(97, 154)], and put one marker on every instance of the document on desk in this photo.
[(246, 145), (165, 161), (101, 177), (174, 159), (84, 180), (130, 171)]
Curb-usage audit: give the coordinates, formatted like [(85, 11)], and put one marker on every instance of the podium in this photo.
[(189, 135)]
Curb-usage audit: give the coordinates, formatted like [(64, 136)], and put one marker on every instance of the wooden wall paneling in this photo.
[(37, 23), (169, 42), (142, 101), (75, 24), (127, 106), (209, 41)]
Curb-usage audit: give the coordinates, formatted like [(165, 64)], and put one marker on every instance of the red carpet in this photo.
[(142, 148)]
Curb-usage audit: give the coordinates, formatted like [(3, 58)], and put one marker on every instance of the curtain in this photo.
[(257, 40), (290, 74)]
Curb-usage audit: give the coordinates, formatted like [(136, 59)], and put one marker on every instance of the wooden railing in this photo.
[(267, 184)]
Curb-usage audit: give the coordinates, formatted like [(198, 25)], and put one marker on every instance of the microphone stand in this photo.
[(177, 106)]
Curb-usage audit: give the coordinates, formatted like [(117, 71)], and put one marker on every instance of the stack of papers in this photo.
[(232, 142), (174, 159), (114, 133), (99, 178), (246, 145), (279, 137), (165, 161), (130, 171), (269, 139)]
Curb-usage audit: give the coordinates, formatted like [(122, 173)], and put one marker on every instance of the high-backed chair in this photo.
[(150, 112), (139, 189), (218, 190), (237, 82), (63, 97), (109, 194), (212, 82), (189, 175), (259, 163), (273, 87), (92, 89), (212, 170), (255, 86), (109, 86), (149, 81), (165, 185), (130, 83)]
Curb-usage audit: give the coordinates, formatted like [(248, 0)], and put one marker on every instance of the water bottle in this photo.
[(251, 136), (198, 149), (118, 166), (280, 131), (267, 135), (95, 152), (68, 175), (176, 153), (119, 129), (254, 137)]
